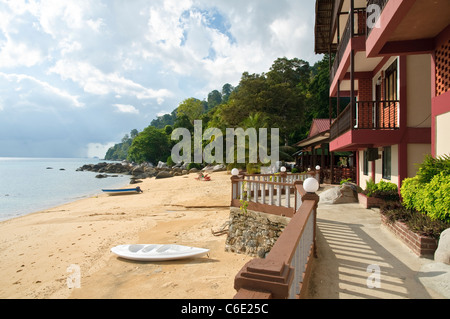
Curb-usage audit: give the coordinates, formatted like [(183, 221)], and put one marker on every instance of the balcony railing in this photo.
[(375, 115), (358, 30), (269, 193)]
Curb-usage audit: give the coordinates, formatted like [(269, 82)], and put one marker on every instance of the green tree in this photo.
[(192, 108), (151, 145), (227, 89), (214, 99)]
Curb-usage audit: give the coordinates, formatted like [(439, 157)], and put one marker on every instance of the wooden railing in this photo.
[(284, 273), (269, 193), (375, 115), (359, 29)]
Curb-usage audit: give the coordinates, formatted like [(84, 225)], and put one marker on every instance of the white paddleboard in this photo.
[(153, 252)]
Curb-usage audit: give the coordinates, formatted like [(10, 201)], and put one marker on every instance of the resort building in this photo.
[(315, 151), (392, 59)]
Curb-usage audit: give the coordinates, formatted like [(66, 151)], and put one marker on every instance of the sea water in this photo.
[(32, 184)]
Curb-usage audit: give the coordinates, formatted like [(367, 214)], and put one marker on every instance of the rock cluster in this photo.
[(253, 233), (145, 170)]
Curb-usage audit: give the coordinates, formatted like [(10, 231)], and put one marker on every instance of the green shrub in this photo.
[(371, 187), (432, 199), (345, 181), (253, 168), (431, 167), (436, 198), (385, 190), (294, 170), (170, 162), (416, 222), (410, 188)]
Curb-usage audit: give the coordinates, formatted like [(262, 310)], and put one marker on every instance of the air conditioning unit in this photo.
[(372, 154)]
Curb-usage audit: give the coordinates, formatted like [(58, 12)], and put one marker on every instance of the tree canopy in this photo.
[(289, 96)]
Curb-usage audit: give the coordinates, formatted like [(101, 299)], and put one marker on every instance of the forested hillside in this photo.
[(289, 96)]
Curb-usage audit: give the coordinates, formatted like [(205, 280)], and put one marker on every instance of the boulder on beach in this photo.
[(339, 195), (219, 168), (163, 174)]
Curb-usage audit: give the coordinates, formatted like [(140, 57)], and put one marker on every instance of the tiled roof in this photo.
[(319, 126)]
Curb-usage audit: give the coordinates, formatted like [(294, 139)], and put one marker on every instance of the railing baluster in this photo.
[(278, 195), (271, 194), (288, 196)]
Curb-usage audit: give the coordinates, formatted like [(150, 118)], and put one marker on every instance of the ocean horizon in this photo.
[(29, 185)]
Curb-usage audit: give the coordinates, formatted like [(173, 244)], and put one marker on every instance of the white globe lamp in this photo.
[(235, 172), (317, 168), (311, 185), (283, 169)]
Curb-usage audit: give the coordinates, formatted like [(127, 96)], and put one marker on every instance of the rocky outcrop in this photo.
[(138, 171)]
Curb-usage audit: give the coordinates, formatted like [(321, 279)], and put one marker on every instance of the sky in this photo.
[(77, 75)]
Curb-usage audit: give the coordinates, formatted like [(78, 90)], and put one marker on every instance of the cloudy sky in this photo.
[(77, 75)]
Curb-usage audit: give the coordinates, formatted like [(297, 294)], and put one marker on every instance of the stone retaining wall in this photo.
[(253, 233)]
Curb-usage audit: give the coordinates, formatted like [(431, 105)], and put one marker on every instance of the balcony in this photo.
[(366, 115), (359, 29)]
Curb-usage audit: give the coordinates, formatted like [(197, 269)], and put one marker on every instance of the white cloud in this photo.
[(122, 108), (16, 54), (98, 149), (35, 87), (138, 57), (94, 81)]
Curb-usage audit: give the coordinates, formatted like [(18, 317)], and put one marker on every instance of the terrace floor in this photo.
[(349, 240)]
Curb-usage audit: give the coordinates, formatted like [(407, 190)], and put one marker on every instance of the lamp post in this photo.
[(311, 185)]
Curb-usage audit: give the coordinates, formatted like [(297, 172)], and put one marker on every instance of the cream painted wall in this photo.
[(363, 178), (443, 134), (416, 155), (379, 168), (419, 90)]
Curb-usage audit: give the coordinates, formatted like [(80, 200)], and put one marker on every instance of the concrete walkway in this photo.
[(359, 258)]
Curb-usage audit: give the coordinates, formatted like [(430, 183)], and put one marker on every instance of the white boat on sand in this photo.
[(153, 252)]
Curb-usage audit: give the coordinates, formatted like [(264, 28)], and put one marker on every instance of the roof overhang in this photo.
[(314, 139), (323, 27)]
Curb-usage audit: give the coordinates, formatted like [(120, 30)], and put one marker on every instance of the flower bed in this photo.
[(418, 231), (422, 246), (368, 202)]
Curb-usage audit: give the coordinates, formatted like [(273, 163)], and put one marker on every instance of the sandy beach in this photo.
[(38, 250)]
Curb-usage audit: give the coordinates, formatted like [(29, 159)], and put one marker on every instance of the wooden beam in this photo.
[(422, 46)]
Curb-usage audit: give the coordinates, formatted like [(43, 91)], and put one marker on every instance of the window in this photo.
[(366, 163), (390, 82), (387, 163)]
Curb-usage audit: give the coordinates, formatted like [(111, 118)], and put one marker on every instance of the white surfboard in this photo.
[(152, 252)]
